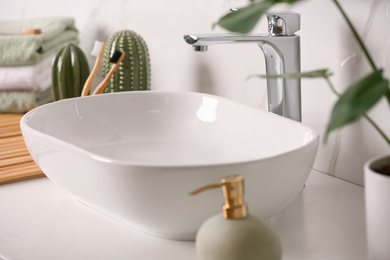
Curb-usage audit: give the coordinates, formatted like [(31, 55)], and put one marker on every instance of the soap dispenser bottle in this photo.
[(235, 235)]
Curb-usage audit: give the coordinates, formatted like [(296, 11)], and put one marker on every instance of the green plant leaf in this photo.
[(388, 96), (245, 19), (322, 73), (357, 100)]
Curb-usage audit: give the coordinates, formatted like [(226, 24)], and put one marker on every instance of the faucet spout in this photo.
[(281, 48)]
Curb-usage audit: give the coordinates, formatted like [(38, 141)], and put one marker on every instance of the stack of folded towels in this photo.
[(25, 60)]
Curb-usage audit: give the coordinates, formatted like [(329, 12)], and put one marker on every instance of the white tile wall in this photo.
[(326, 43)]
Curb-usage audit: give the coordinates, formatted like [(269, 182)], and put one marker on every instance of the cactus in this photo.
[(69, 72), (133, 72)]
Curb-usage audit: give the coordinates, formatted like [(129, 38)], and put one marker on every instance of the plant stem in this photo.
[(357, 37), (377, 128), (331, 86), (364, 115)]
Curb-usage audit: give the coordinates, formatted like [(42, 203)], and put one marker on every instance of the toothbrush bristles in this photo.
[(115, 56), (96, 48)]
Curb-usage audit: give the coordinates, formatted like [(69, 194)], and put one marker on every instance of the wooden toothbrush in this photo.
[(97, 51), (10, 30), (116, 58)]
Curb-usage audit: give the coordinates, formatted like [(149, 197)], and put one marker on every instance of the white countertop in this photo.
[(39, 220)]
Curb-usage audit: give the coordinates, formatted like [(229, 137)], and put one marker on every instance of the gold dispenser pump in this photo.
[(237, 235), (233, 191)]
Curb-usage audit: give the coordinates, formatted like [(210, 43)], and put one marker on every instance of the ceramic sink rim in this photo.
[(67, 146)]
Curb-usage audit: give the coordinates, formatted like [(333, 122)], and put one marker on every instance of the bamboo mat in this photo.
[(16, 163)]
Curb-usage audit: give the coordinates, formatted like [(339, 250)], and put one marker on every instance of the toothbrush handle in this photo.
[(88, 82), (99, 89)]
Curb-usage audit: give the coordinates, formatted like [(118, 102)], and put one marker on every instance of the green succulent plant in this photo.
[(70, 70), (133, 72)]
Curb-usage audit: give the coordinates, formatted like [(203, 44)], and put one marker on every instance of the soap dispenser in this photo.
[(235, 235)]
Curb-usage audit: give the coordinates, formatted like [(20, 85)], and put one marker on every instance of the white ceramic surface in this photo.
[(39, 219), (377, 196), (135, 156)]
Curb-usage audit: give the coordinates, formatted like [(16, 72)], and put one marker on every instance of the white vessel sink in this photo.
[(135, 156)]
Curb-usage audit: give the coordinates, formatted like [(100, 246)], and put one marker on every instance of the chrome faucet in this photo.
[(281, 48)]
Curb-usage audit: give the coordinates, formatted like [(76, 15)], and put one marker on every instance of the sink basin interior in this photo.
[(169, 130)]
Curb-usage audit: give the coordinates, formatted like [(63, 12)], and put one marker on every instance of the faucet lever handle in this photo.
[(283, 23)]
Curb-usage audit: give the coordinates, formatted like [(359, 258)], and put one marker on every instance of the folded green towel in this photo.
[(23, 101), (31, 49)]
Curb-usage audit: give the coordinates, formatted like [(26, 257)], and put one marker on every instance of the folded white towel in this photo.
[(35, 77)]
